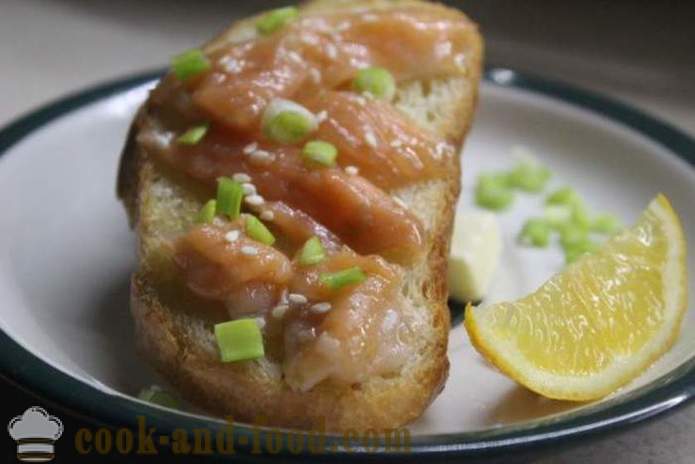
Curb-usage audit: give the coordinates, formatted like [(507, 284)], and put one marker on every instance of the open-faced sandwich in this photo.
[(292, 185)]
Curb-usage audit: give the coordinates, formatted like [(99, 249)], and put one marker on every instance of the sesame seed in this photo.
[(369, 17), (343, 26), (400, 202), (297, 298), (460, 60), (397, 143), (254, 200), (309, 39), (241, 177), (370, 138), (279, 311), (260, 322), (231, 65), (321, 308), (261, 156), (249, 250), (321, 116), (361, 100), (250, 148), (232, 236), (283, 296), (294, 56), (249, 189), (441, 149), (160, 140), (315, 75), (306, 335), (368, 95), (443, 48), (267, 215), (352, 170), (331, 51)]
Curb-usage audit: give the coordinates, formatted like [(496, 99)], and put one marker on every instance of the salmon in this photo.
[(318, 333)]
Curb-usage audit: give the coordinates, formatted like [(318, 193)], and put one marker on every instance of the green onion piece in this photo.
[(258, 231), (493, 192), (239, 340), (575, 251), (156, 395), (529, 176), (320, 152), (276, 19), (536, 232), (338, 280), (229, 196), (288, 127), (312, 252), (605, 224), (557, 215), (189, 64), (287, 122), (564, 196), (580, 215), (575, 242), (193, 135), (571, 235), (207, 212), (376, 81)]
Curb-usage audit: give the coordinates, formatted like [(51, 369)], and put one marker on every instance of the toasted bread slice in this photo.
[(180, 343)]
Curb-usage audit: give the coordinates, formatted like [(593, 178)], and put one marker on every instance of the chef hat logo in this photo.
[(35, 432)]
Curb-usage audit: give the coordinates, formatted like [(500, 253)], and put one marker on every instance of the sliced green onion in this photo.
[(156, 395), (575, 251), (529, 176), (207, 212), (605, 224), (375, 81), (564, 196), (229, 196), (312, 252), (320, 152), (258, 231), (536, 232), (239, 340), (571, 235), (557, 215), (193, 135), (493, 192), (189, 64), (287, 122), (340, 279), (276, 19), (575, 242), (580, 215)]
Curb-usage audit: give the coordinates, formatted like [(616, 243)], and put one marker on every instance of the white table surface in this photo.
[(51, 47)]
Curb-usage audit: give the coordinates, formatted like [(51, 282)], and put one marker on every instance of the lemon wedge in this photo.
[(598, 324)]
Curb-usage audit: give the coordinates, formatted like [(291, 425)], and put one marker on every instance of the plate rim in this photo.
[(673, 389)]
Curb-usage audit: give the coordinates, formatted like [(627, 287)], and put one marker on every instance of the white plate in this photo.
[(66, 252)]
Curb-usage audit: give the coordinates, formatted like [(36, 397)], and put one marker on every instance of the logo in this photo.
[(35, 432)]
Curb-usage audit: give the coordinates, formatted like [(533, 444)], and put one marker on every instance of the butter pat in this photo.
[(475, 253)]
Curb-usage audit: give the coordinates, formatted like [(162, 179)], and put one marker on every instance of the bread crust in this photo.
[(254, 391)]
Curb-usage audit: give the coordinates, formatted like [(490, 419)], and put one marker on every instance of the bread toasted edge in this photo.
[(176, 343)]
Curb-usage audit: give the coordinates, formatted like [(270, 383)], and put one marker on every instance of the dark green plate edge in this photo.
[(674, 389)]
